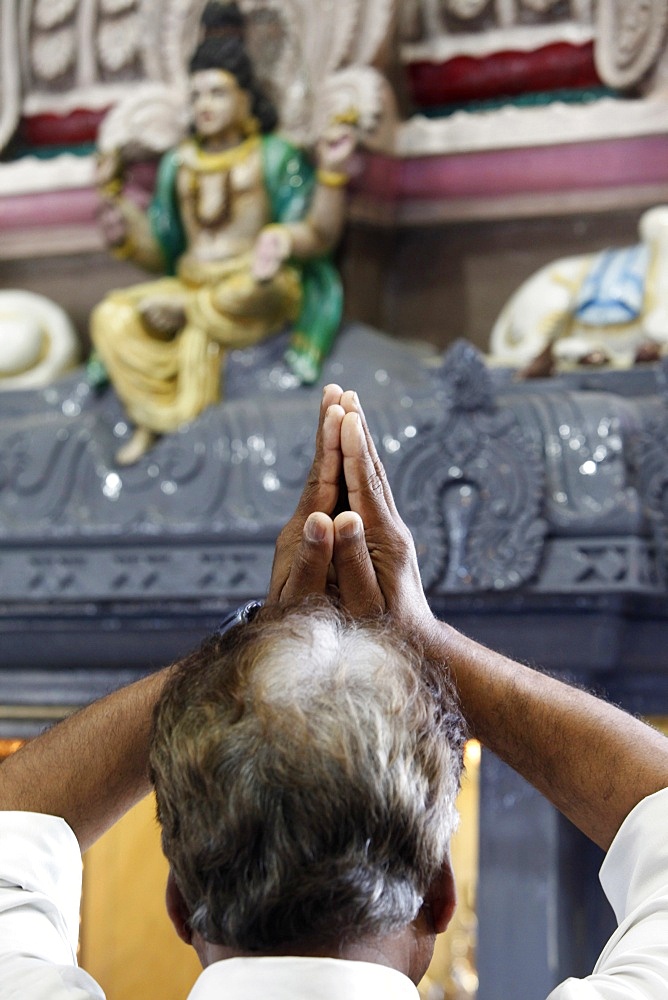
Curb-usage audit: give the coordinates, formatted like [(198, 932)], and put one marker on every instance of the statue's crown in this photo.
[(222, 20)]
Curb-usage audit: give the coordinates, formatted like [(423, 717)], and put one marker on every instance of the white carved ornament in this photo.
[(49, 14), (53, 53), (316, 70), (630, 36), (10, 92), (151, 120)]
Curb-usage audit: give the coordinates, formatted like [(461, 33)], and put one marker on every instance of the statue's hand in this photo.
[(108, 169), (272, 247), (162, 319), (113, 223), (336, 146)]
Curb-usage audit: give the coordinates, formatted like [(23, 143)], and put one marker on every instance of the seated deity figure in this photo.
[(607, 310), (243, 225)]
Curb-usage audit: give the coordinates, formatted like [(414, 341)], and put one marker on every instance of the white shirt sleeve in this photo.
[(40, 894), (634, 963)]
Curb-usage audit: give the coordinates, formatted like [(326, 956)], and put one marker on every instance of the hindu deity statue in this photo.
[(596, 310), (243, 223)]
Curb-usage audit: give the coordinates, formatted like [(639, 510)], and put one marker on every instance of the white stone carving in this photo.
[(507, 13), (53, 53), (541, 312), (631, 34), (118, 42), (466, 9), (10, 91), (518, 38), (151, 120), (37, 341), (363, 90), (539, 6), (519, 128), (315, 74), (116, 6), (49, 13), (375, 19), (59, 55), (631, 50), (582, 10), (30, 175)]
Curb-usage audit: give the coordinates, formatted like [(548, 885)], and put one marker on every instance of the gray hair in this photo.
[(306, 768)]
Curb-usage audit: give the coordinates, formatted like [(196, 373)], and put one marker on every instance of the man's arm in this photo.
[(593, 761), (92, 767)]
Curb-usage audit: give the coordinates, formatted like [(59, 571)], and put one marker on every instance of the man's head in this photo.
[(306, 768)]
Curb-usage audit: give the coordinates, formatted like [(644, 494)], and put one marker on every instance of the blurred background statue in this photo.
[(608, 309), (243, 223), (38, 341)]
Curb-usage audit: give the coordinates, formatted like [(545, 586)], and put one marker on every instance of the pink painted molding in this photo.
[(397, 183), (37, 210), (564, 168)]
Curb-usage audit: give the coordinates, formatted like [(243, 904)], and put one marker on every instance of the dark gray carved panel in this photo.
[(556, 486), (649, 462), (540, 512), (134, 572), (599, 564), (471, 489)]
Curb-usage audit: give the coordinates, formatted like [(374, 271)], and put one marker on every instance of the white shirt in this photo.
[(634, 875), (40, 887)]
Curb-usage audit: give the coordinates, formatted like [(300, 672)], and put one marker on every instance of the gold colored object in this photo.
[(331, 178), (164, 384), (350, 116), (209, 180), (112, 188), (8, 747), (251, 125), (124, 250), (194, 157)]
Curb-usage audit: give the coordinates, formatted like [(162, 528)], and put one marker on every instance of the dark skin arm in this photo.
[(590, 759), (92, 767)]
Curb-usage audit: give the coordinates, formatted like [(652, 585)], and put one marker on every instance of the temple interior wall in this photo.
[(432, 283)]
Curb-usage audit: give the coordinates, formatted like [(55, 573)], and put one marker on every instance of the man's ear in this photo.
[(177, 909), (441, 897)]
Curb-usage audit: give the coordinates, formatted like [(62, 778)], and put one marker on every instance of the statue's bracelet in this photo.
[(241, 616), (331, 178), (124, 250)]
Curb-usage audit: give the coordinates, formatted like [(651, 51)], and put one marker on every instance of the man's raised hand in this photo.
[(304, 548), (366, 551), (374, 555)]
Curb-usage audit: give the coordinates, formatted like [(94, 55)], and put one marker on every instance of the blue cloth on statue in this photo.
[(614, 289)]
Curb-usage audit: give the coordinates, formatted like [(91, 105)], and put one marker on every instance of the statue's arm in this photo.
[(322, 227), (308, 207), (130, 232)]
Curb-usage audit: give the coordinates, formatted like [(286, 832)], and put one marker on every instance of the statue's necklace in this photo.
[(209, 180)]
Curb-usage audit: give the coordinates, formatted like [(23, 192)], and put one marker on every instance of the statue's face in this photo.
[(219, 105)]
